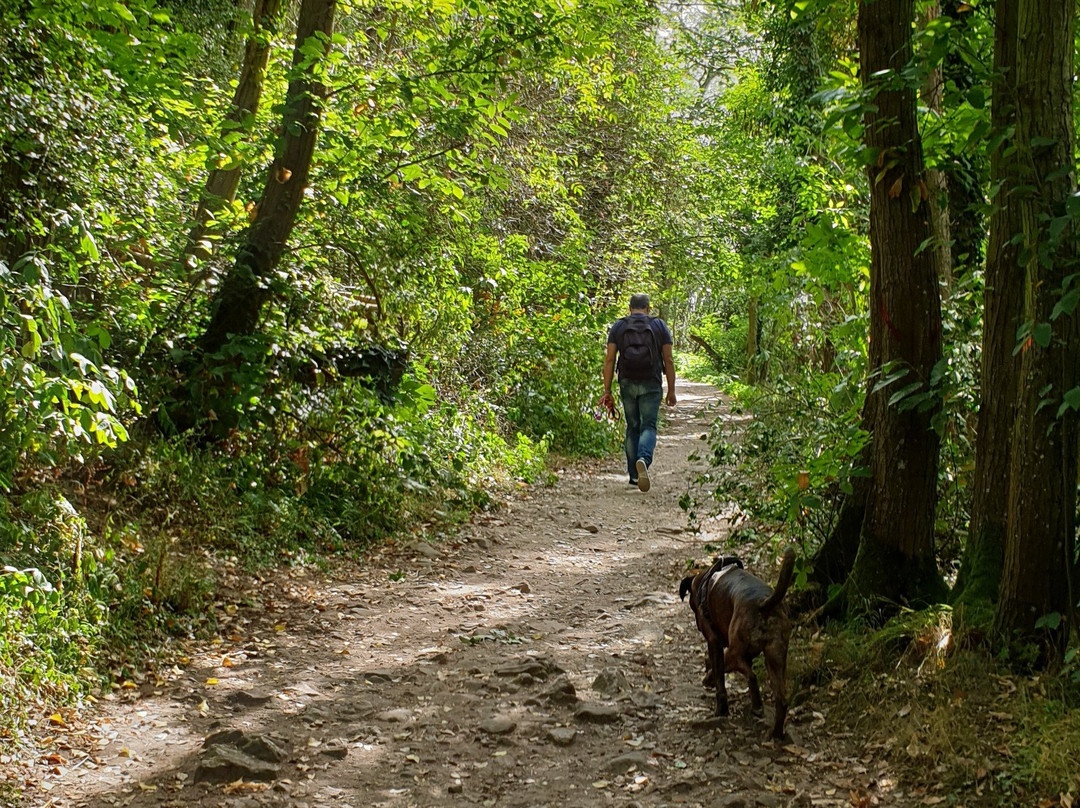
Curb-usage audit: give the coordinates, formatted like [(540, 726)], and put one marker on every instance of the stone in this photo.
[(589, 527), (248, 698), (335, 750), (455, 788), (230, 755), (562, 736), (610, 681), (620, 764), (424, 549), (597, 713), (376, 677), (523, 588), (395, 716), (731, 801), (498, 725), (539, 668), (646, 700), (560, 691), (709, 722)]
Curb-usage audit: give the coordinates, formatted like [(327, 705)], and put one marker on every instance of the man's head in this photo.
[(639, 302)]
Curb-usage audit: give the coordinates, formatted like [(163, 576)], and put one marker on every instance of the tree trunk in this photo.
[(1003, 297), (246, 288), (710, 351), (1037, 598), (221, 184), (895, 561), (753, 348), (937, 182)]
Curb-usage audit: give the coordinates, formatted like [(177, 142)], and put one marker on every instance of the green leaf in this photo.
[(1042, 333), (1071, 400), (904, 391), (892, 377), (1051, 621)]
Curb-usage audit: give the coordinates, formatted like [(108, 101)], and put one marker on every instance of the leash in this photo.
[(607, 403)]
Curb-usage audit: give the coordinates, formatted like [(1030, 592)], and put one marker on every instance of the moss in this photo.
[(884, 579), (980, 570)]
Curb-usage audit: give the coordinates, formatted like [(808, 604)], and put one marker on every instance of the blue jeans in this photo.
[(641, 408)]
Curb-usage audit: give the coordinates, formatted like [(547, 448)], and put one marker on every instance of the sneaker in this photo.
[(633, 483), (642, 475)]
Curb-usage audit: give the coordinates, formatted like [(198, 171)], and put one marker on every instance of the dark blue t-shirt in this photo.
[(660, 330)]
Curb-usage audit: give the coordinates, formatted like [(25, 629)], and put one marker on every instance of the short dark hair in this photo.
[(639, 301)]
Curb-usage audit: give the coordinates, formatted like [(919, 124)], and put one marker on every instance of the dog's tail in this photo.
[(787, 569), (684, 587)]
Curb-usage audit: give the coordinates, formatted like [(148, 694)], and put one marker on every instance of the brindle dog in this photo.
[(740, 617)]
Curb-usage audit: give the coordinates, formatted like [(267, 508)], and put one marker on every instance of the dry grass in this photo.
[(947, 715)]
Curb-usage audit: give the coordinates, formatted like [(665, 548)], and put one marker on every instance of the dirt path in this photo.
[(539, 658)]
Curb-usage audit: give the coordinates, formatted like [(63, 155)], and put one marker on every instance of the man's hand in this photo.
[(671, 396), (607, 400)]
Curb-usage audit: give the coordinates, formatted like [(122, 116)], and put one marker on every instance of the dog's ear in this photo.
[(684, 587)]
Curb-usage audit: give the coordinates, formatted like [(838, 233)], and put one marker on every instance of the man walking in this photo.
[(643, 345)]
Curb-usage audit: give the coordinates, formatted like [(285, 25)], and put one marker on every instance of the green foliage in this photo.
[(726, 336), (59, 398), (53, 604), (793, 459)]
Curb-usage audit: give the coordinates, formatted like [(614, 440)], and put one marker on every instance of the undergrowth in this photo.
[(952, 720), (109, 566)]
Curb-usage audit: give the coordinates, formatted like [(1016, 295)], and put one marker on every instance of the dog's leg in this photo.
[(736, 662), (716, 652), (756, 706), (776, 668)]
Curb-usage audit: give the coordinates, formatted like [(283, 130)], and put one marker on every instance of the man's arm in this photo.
[(609, 369), (669, 371)]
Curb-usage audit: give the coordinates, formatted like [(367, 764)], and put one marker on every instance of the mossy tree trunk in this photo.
[(980, 569), (895, 562), (1037, 597)]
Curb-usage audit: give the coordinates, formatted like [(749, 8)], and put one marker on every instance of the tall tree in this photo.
[(222, 182), (1037, 595), (895, 561), (240, 299), (980, 572)]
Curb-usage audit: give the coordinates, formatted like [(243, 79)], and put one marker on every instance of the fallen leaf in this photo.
[(240, 786)]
